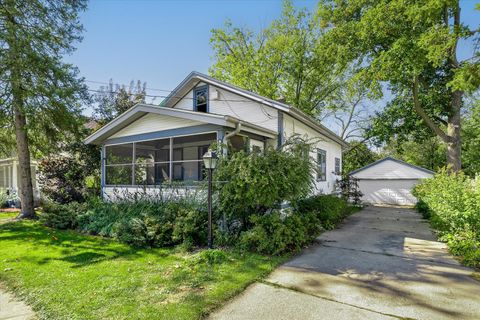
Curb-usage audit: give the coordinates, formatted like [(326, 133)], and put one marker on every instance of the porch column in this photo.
[(14, 184)]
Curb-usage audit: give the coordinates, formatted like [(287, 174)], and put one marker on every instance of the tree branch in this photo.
[(421, 112)]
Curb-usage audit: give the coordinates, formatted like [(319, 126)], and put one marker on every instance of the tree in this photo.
[(282, 62), (471, 139), (113, 100), (428, 153), (40, 93), (412, 47), (357, 156)]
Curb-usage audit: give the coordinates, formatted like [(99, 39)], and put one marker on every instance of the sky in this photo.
[(161, 41)]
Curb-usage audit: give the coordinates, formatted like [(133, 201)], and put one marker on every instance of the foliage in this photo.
[(349, 189), (357, 156), (272, 234), (144, 222), (3, 199), (41, 94), (62, 178), (113, 100), (411, 47), (61, 216), (289, 231), (471, 139), (427, 153), (52, 269), (253, 183), (452, 203), (283, 61)]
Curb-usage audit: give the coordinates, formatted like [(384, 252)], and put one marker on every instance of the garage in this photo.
[(389, 181)]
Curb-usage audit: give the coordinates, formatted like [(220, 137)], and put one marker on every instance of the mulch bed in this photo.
[(9, 210)]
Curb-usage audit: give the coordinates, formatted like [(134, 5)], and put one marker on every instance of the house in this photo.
[(389, 181), (9, 177), (149, 144)]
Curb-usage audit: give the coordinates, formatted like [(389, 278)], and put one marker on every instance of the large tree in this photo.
[(412, 47), (40, 93), (282, 61)]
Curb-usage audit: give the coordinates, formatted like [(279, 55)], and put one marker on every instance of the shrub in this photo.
[(277, 233), (350, 190), (452, 203), (60, 216), (273, 234), (153, 222), (254, 183), (328, 208), (62, 179)]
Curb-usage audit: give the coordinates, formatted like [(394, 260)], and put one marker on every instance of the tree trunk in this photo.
[(454, 156), (23, 152)]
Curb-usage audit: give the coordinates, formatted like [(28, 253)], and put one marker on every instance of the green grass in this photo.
[(4, 216), (65, 275)]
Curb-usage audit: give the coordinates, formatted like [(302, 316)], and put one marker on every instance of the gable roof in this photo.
[(394, 160), (195, 78), (139, 110)]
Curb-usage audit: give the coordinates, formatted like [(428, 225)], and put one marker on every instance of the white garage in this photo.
[(389, 181)]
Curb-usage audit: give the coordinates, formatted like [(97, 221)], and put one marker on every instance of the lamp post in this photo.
[(210, 160)]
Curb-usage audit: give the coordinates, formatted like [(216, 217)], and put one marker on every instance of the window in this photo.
[(321, 165), (149, 163), (338, 169), (119, 164), (200, 99), (188, 156), (152, 162)]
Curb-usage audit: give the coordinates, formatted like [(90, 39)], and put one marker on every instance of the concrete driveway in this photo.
[(382, 263)]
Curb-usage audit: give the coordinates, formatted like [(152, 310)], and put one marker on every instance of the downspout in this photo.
[(238, 127)]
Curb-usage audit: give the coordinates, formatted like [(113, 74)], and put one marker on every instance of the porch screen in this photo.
[(153, 162)]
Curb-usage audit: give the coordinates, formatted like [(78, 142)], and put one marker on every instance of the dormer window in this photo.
[(200, 99)]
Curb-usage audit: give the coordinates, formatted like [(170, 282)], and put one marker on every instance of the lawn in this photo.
[(4, 216), (65, 275)]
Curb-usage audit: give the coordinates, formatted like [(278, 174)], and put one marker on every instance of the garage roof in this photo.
[(391, 169)]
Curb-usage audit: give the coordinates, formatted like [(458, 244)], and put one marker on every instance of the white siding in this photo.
[(223, 102), (394, 192), (333, 149), (390, 169), (154, 122)]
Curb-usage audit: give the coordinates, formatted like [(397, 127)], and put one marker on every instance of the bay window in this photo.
[(153, 162)]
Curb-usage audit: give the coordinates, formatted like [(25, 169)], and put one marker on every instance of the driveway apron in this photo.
[(382, 263)]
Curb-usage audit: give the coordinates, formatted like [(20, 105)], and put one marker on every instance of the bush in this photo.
[(328, 208), (277, 233), (273, 234), (148, 222), (452, 203), (253, 183), (60, 216)]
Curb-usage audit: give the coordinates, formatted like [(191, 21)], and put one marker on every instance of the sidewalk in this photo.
[(13, 309)]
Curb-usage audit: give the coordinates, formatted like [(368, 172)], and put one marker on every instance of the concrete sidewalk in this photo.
[(383, 263), (13, 309)]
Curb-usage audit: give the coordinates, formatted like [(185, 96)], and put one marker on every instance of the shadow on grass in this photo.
[(68, 246)]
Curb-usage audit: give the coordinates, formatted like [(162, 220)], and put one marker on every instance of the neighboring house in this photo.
[(148, 144), (389, 181), (10, 180)]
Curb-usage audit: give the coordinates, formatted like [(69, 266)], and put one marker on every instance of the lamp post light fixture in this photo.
[(210, 160)]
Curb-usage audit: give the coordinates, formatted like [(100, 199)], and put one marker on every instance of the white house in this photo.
[(9, 177), (389, 181), (149, 144)]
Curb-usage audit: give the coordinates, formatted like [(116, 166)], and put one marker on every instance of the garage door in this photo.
[(395, 192)]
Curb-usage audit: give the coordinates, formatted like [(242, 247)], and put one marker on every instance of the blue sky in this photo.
[(161, 41)]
